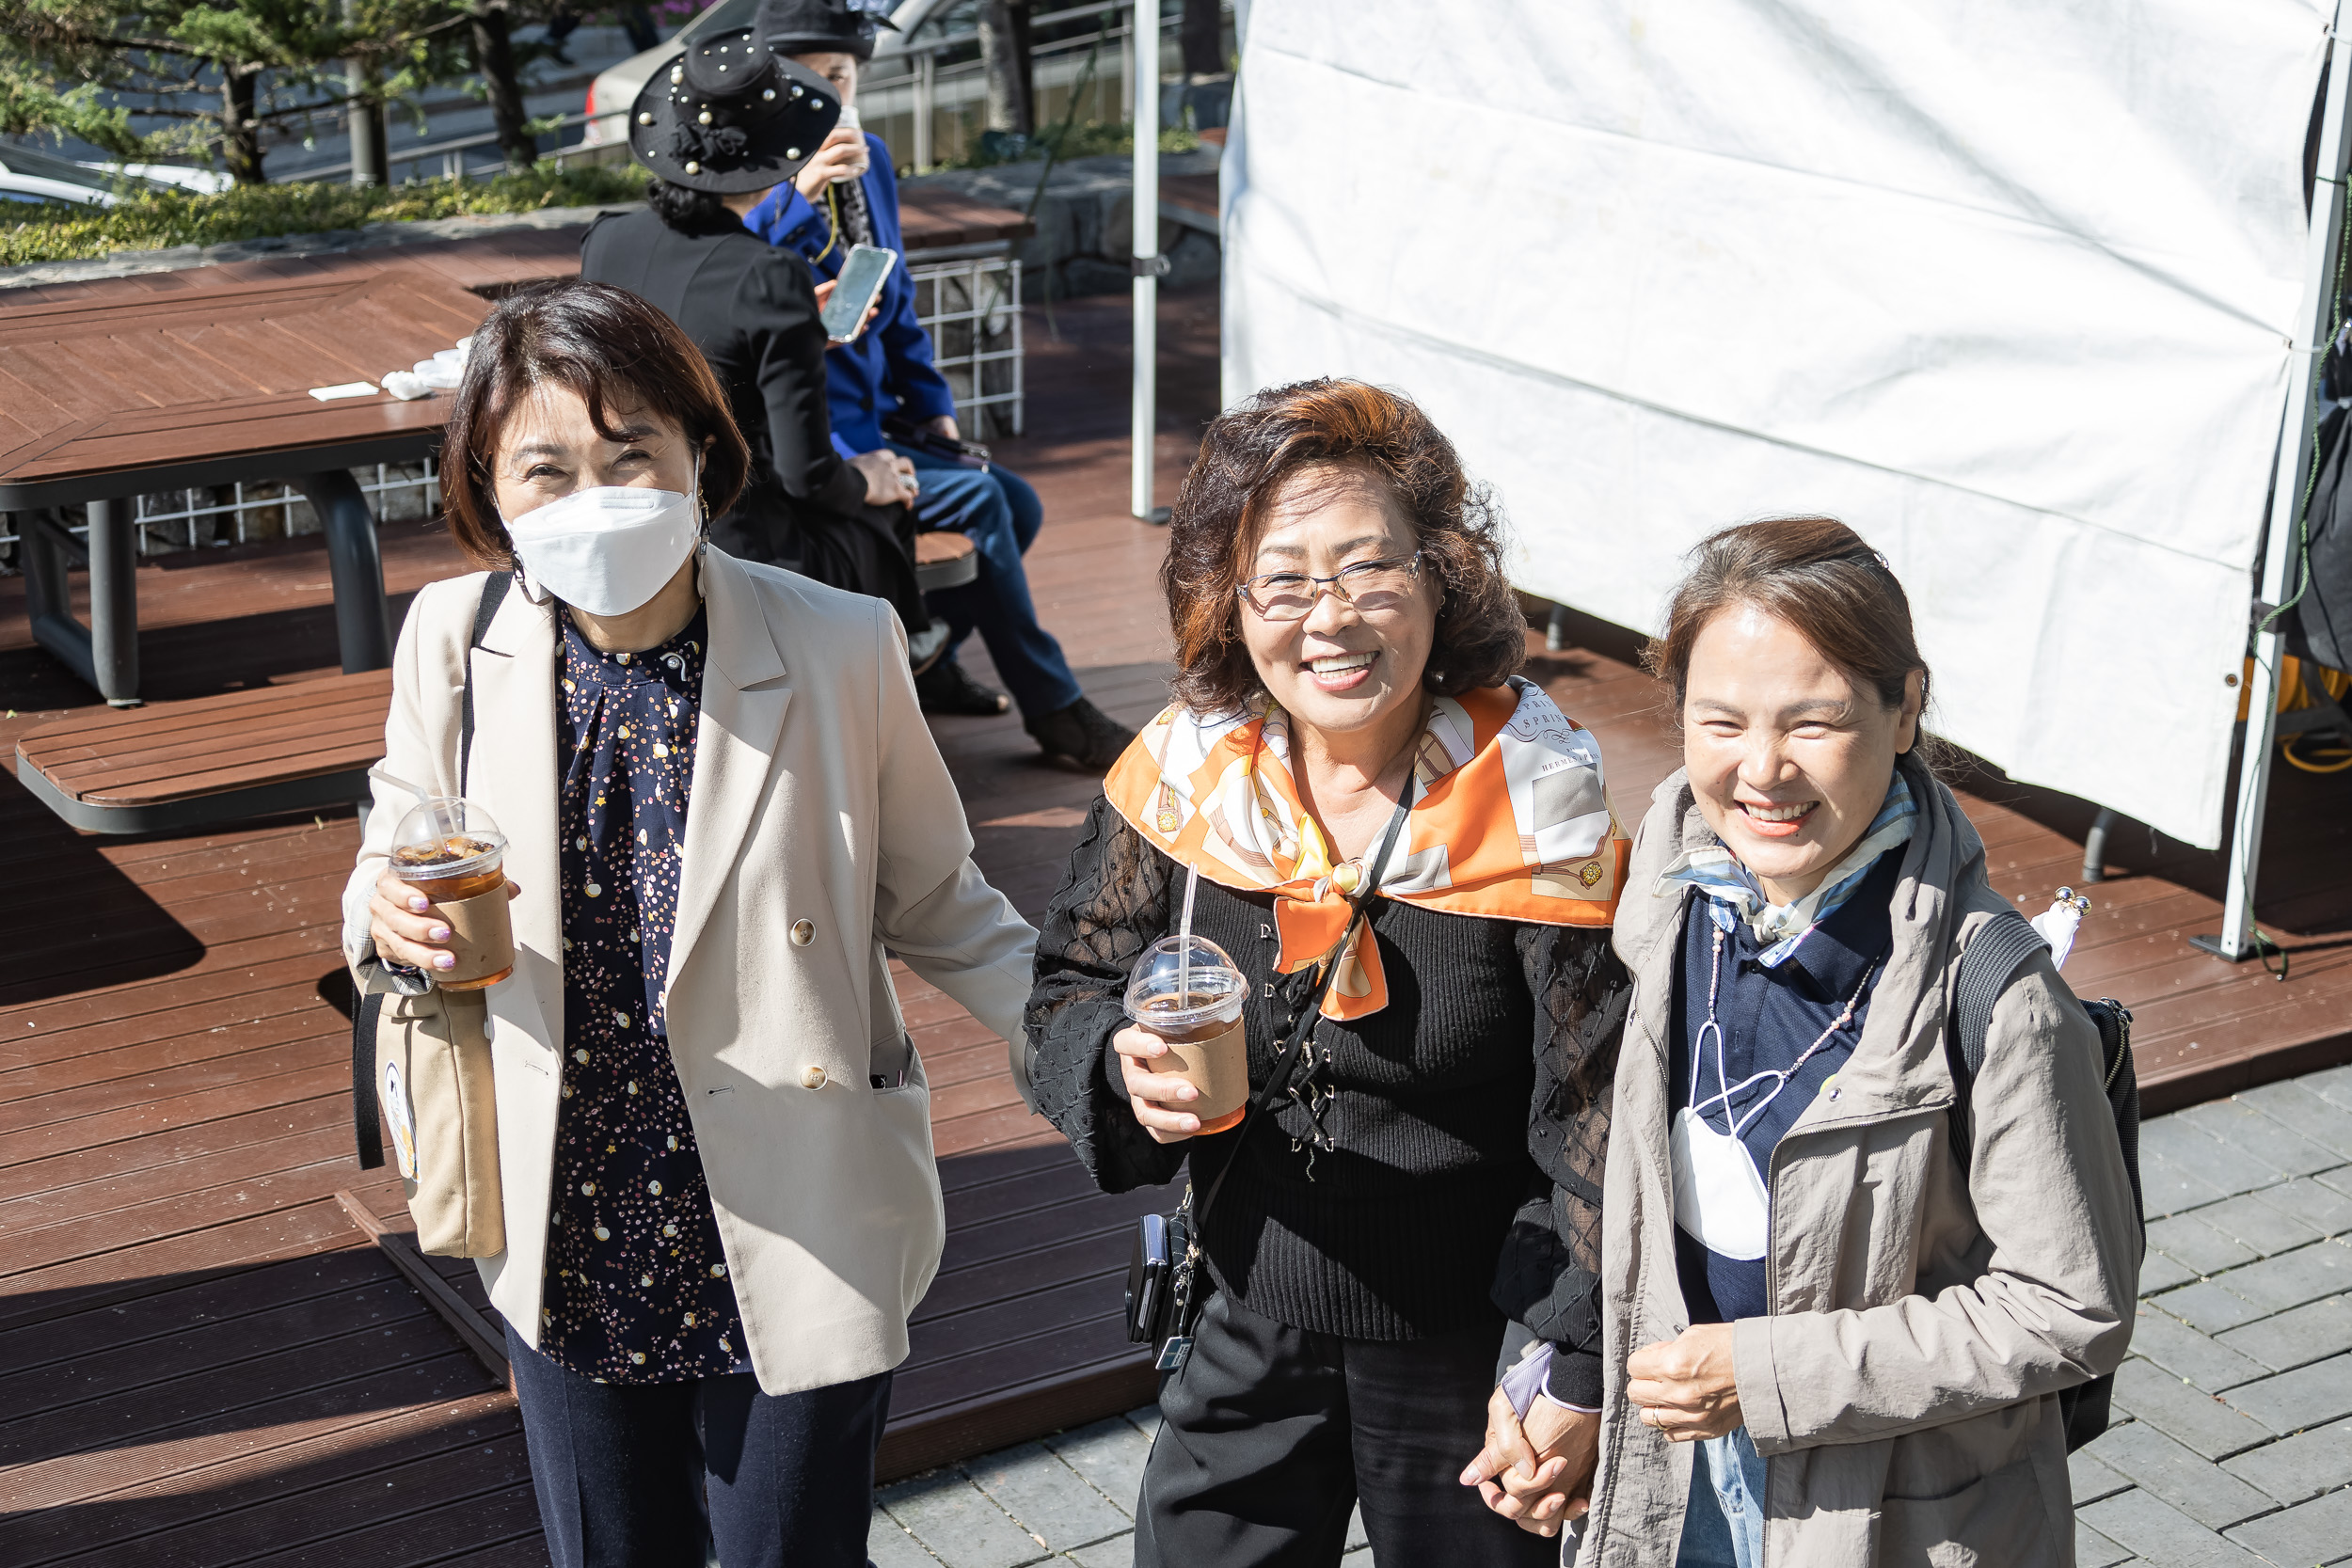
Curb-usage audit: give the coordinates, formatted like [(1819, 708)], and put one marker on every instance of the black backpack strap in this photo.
[(1990, 960), (366, 1008), (493, 589)]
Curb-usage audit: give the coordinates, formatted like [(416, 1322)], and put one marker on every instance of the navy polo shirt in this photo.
[(1767, 1017)]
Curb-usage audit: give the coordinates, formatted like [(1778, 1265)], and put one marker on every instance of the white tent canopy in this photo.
[(2012, 287)]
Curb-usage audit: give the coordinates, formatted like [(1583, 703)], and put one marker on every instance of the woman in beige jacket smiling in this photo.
[(713, 1134), (1826, 1342)]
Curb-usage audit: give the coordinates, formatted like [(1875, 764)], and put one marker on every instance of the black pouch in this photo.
[(1166, 1276), (1161, 1246)]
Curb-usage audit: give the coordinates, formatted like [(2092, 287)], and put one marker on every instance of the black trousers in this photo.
[(643, 1475), (1269, 1435)]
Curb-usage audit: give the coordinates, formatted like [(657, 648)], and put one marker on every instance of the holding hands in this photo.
[(1537, 1472)]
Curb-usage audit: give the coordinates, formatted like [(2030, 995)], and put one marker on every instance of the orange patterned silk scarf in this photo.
[(1510, 820)]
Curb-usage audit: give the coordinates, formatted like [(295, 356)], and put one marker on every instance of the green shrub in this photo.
[(151, 220)]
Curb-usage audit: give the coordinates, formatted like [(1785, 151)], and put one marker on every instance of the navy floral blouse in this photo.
[(637, 1287)]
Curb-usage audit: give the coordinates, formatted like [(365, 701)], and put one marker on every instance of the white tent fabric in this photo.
[(2009, 287)]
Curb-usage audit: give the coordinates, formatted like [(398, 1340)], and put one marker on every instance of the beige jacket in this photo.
[(1903, 1392), (819, 796)]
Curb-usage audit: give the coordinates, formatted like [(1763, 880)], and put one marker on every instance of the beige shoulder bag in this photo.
[(426, 1060)]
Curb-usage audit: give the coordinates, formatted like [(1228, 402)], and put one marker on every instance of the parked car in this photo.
[(615, 88)]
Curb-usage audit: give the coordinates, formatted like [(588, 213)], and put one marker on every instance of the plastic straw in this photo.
[(1184, 941), (399, 782)]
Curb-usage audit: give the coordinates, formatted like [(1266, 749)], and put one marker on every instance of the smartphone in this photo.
[(862, 275)]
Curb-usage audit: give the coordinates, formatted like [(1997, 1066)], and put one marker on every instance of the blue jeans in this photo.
[(1001, 515), (1724, 1524)]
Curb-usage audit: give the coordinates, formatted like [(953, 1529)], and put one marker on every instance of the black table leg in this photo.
[(104, 655), (362, 622), (114, 601)]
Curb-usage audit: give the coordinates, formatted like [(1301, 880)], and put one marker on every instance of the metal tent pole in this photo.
[(1147, 262), (2321, 254)]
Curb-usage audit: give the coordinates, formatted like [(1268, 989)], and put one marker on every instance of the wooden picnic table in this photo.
[(163, 381), (126, 386)]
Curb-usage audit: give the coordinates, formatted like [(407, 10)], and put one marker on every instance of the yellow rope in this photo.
[(833, 210), (2341, 756)]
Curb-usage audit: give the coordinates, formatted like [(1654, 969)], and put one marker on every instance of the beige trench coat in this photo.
[(1903, 1392), (819, 796)]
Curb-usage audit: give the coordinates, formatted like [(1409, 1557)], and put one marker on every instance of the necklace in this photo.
[(1737, 1125)]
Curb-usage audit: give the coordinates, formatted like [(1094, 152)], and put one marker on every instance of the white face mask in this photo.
[(606, 550), (1718, 1197)]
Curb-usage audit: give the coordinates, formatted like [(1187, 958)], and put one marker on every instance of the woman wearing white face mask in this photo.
[(714, 1144), (1832, 1339)]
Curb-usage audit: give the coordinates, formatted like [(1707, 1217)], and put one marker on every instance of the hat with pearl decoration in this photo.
[(729, 115)]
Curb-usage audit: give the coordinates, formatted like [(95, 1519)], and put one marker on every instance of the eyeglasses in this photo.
[(1370, 586)]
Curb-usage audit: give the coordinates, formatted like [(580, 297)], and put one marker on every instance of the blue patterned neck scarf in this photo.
[(1714, 871)]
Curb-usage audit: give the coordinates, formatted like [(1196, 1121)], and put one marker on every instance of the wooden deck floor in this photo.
[(207, 1363)]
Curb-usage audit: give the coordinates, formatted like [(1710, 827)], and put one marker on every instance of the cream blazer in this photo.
[(823, 828)]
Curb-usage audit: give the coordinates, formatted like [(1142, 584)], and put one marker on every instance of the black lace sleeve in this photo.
[(1112, 905), (1549, 1274)]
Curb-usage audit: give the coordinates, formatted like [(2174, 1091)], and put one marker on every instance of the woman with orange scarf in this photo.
[(1424, 1209)]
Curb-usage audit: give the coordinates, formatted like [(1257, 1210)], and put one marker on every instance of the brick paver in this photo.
[(2233, 1442), (1068, 1499)]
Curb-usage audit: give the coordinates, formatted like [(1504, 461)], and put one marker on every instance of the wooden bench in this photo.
[(172, 765)]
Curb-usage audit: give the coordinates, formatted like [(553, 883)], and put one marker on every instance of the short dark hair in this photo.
[(613, 349), (1819, 576), (1381, 436)]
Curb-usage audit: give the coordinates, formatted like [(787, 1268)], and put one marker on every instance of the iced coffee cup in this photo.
[(451, 851), (1186, 991)]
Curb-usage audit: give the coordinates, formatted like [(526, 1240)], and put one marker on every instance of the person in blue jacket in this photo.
[(848, 195)]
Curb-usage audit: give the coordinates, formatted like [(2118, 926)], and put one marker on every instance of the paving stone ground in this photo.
[(1070, 1498), (2233, 1435), (2233, 1442)]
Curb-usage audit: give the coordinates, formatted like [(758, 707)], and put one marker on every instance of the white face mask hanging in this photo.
[(1719, 1196), (609, 549)]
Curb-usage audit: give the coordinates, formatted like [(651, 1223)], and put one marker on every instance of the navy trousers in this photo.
[(1001, 515), (656, 1475)]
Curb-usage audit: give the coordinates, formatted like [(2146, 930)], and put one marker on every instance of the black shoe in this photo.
[(1081, 738), (946, 687)]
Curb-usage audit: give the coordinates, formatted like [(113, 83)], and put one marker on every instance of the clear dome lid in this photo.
[(1180, 981), (444, 836)]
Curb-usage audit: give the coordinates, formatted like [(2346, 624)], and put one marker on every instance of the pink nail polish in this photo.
[(439, 933), (445, 960), (420, 903)]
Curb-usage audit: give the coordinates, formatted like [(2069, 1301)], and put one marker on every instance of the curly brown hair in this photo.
[(1380, 436)]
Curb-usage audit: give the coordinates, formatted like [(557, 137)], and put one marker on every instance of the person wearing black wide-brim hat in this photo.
[(718, 127)]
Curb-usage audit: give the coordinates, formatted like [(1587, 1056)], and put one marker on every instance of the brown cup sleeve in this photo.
[(1218, 1068), (481, 934)]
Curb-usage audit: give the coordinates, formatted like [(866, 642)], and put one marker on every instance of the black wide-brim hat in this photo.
[(822, 26), (730, 115)]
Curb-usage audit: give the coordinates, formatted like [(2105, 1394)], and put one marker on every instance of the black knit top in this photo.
[(1470, 1114)]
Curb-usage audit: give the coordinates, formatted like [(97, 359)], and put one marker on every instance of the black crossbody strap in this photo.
[(493, 589), (365, 1009), (1262, 1104)]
